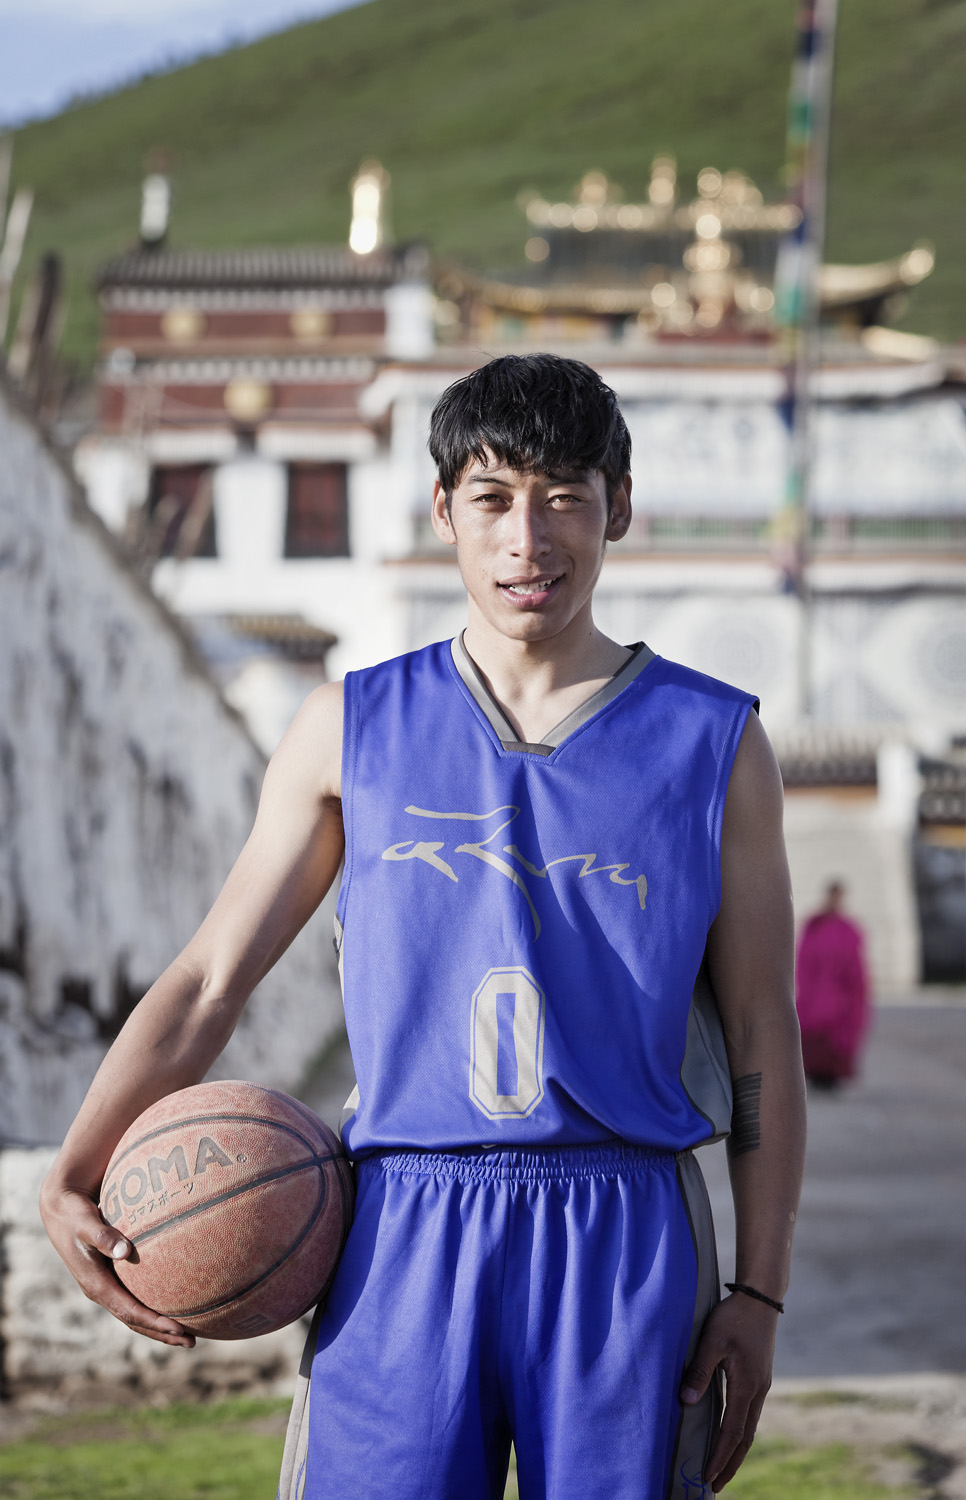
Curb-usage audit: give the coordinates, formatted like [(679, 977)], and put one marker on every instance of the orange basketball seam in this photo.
[(237, 1296), (207, 1120), (236, 1192)]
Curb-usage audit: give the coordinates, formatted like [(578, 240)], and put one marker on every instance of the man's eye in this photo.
[(566, 500)]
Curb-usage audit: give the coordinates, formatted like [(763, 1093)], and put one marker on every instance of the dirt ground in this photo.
[(910, 1429)]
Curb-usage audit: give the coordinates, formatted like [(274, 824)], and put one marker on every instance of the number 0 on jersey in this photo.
[(506, 1044)]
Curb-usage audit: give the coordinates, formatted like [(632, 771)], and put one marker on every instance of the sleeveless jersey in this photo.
[(521, 928)]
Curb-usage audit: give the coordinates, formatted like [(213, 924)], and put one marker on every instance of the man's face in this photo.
[(530, 546)]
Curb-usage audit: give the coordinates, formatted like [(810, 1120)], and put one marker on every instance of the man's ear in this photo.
[(442, 524), (620, 511)]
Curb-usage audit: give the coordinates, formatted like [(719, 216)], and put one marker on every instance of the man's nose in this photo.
[(529, 534)]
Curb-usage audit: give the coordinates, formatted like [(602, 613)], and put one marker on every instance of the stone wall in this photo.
[(58, 1348), (127, 788)]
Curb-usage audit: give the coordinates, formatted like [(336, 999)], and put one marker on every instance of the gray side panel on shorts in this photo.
[(291, 1484), (699, 1424), (705, 1075)]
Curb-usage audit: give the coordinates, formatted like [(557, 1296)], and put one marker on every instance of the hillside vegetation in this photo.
[(466, 102)]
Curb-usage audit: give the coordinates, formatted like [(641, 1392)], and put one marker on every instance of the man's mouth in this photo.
[(531, 588)]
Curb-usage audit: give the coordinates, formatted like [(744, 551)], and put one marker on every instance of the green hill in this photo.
[(468, 101)]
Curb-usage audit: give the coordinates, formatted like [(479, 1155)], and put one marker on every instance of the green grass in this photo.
[(775, 1468), (832, 1472), (466, 104), (232, 1451), (227, 1452), (819, 1398)]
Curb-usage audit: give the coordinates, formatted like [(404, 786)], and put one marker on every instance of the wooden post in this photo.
[(797, 297)]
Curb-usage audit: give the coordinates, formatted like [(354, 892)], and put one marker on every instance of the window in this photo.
[(318, 511), (179, 507)]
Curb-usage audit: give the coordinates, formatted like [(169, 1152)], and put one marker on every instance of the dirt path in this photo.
[(877, 1279)]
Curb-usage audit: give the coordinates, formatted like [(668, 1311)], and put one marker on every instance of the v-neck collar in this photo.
[(472, 677)]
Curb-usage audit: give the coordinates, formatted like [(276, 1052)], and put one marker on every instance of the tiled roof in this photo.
[(291, 634), (828, 756), (226, 642), (278, 267), (815, 756)]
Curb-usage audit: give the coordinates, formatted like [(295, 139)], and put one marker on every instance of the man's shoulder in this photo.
[(400, 693), (687, 680), (310, 752), (701, 683)]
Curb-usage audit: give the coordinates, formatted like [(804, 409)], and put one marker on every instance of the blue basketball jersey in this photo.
[(522, 927)]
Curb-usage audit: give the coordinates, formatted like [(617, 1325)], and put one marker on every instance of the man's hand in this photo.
[(739, 1336), (90, 1248)]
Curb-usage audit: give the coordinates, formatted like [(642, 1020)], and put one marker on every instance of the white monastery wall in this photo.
[(890, 651), (887, 631), (127, 788)]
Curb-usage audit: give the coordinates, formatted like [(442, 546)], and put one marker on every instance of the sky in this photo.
[(53, 50)]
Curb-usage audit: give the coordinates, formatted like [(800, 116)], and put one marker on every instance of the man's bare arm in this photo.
[(179, 1028), (750, 952)]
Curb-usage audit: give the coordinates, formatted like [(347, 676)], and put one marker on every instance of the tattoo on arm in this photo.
[(745, 1115)]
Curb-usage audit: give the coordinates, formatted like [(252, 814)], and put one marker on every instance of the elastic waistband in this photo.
[(615, 1159)]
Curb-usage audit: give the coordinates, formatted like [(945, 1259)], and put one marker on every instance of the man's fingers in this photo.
[(738, 1455), (76, 1215), (727, 1454), (697, 1377), (101, 1237), (102, 1286), (91, 1249), (150, 1324), (719, 1477), (738, 1427)]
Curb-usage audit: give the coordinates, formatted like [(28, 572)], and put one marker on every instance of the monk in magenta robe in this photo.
[(831, 992)]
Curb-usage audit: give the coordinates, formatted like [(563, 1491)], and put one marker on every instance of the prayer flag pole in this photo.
[(797, 294)]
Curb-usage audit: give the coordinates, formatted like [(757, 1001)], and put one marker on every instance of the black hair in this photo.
[(535, 412)]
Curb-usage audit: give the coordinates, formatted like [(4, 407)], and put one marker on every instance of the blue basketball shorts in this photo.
[(547, 1298)]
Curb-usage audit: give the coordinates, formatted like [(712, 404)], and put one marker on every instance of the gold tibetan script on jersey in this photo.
[(433, 851)]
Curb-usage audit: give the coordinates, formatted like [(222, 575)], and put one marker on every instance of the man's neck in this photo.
[(538, 683)]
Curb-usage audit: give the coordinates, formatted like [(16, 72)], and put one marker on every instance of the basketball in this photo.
[(237, 1200)]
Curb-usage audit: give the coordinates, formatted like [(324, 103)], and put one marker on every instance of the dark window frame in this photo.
[(317, 511), (181, 483)]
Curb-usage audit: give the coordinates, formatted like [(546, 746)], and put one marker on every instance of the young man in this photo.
[(563, 863)]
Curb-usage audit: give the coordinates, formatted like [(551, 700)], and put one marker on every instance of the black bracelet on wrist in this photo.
[(750, 1291)]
